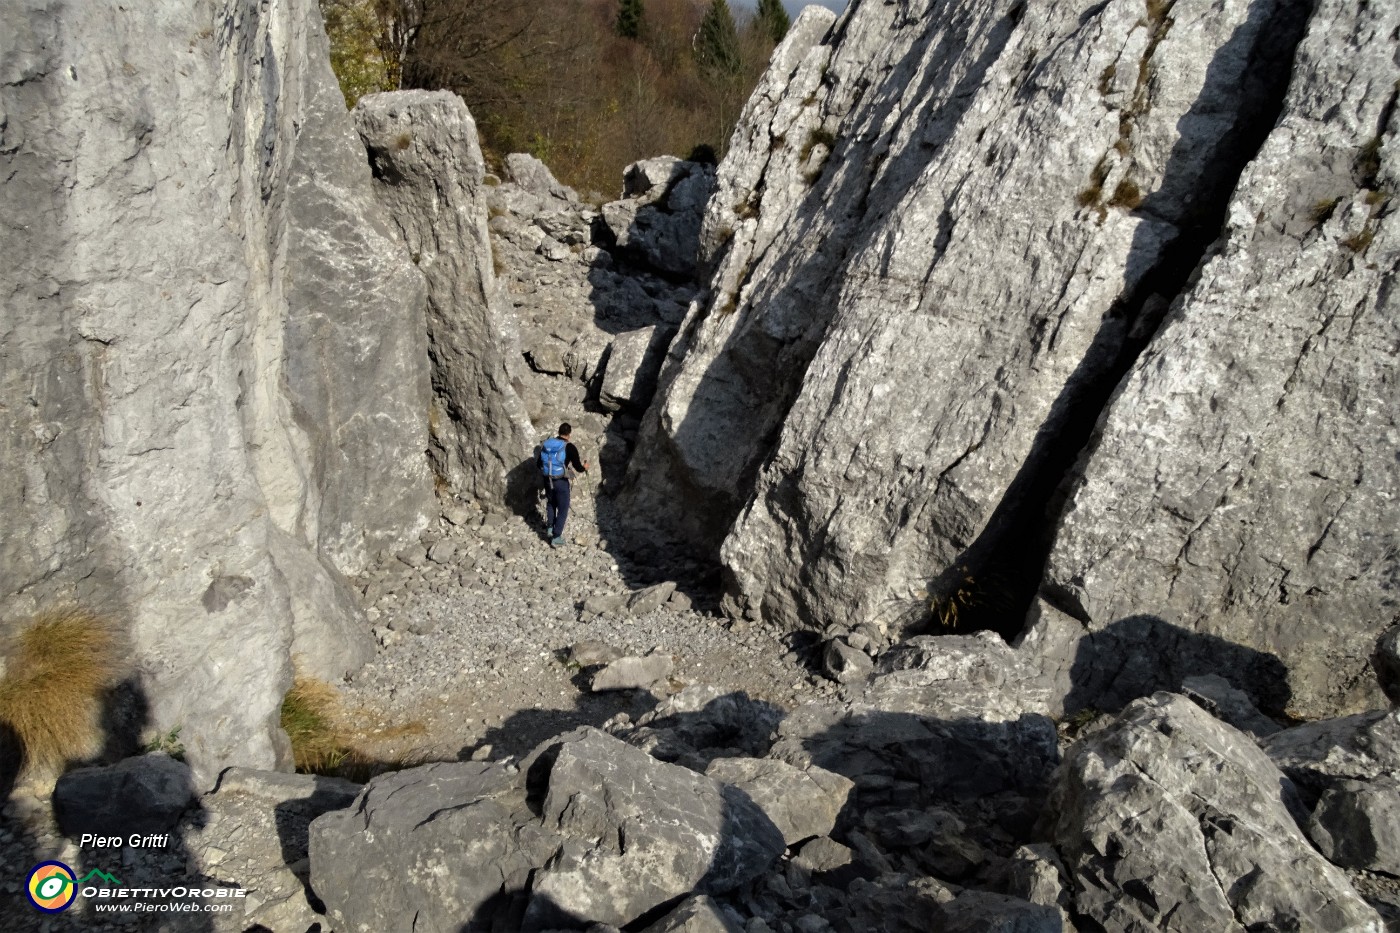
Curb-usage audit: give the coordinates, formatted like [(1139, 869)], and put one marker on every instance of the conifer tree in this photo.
[(629, 19), (717, 44), (772, 20)]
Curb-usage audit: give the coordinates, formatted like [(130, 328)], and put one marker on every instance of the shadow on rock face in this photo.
[(1137, 656)]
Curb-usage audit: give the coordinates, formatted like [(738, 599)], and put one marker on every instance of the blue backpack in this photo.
[(552, 458)]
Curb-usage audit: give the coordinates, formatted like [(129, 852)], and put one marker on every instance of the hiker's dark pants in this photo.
[(556, 505)]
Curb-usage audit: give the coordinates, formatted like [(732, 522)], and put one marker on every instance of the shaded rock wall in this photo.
[(943, 237), (210, 345)]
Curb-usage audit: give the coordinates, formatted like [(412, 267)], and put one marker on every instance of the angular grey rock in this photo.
[(278, 787), (235, 346), (424, 148), (860, 295), (705, 460), (1036, 874), (426, 849), (589, 653), (661, 229), (602, 605), (629, 381), (845, 664), (1236, 466), (919, 398), (657, 831), (984, 912), (963, 675), (1169, 819), (535, 177), (1317, 755), (443, 552), (649, 178), (823, 854), (330, 635), (252, 829), (1215, 695), (633, 673), (1357, 825), (137, 795), (698, 915), (1386, 661), (646, 601), (802, 803)]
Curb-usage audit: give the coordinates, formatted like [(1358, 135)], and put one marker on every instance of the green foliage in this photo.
[(717, 44), (355, 32), (630, 15), (771, 20), (169, 743), (562, 81)]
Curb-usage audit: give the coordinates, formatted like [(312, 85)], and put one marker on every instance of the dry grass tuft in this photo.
[(324, 743), (1127, 195), (60, 665), (966, 594)]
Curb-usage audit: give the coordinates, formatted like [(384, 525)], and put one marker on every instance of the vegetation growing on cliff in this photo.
[(60, 666), (586, 85)]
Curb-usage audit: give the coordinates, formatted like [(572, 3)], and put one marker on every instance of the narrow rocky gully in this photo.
[(490, 640)]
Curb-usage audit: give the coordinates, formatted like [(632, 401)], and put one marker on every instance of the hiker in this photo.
[(559, 463)]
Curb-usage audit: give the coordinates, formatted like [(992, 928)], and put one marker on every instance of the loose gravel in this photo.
[(477, 628)]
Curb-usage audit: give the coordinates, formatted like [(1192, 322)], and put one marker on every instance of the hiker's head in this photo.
[(565, 429)]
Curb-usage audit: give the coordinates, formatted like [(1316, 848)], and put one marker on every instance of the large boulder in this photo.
[(634, 360), (862, 429), (906, 393), (1357, 825), (1168, 819), (1241, 490), (140, 796), (588, 829), (654, 831), (211, 340), (691, 489), (426, 849), (1319, 755), (427, 161), (658, 224)]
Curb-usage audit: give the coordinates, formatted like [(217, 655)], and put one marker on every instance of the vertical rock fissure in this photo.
[(992, 584)]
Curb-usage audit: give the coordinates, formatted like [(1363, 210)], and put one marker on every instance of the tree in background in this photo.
[(772, 20), (561, 80), (354, 30), (629, 19), (717, 44)]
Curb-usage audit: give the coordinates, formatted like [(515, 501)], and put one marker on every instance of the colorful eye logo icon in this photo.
[(51, 887)]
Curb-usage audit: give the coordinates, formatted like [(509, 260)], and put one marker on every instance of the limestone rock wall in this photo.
[(1243, 482), (212, 351), (429, 171), (943, 236)]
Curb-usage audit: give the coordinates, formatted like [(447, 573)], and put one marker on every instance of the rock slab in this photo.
[(1169, 819)]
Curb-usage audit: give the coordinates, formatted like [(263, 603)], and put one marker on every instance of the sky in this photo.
[(795, 6)]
